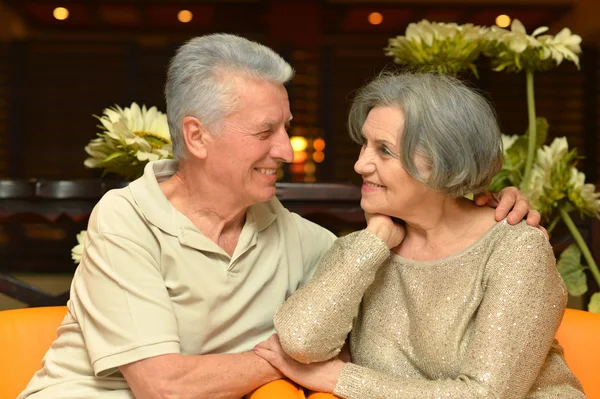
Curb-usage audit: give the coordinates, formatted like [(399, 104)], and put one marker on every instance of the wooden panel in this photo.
[(351, 67), (65, 84), (305, 104), (559, 98), (4, 103)]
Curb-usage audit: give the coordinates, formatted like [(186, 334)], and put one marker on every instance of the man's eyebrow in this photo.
[(269, 123)]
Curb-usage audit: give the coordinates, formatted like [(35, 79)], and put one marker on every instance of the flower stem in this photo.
[(581, 243), (532, 132), (552, 225)]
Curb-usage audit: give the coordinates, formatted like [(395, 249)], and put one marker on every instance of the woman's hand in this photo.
[(318, 377), (384, 227), (512, 205)]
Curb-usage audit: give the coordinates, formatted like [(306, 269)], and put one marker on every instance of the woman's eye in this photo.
[(385, 150)]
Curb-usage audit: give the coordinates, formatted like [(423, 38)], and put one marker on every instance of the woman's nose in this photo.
[(364, 164)]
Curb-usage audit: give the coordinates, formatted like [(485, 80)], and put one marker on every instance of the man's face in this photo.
[(253, 143)]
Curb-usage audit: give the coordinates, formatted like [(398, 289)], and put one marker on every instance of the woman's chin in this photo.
[(367, 207)]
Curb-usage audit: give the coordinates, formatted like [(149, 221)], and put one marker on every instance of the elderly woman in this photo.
[(440, 300)]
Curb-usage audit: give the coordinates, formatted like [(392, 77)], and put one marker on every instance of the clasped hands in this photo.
[(317, 377)]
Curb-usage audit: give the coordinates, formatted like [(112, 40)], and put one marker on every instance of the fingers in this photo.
[(510, 200), (483, 198), (534, 218), (519, 211), (503, 208), (268, 355), (271, 343), (544, 231)]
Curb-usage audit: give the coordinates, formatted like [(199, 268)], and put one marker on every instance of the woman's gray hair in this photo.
[(450, 125), (199, 84)]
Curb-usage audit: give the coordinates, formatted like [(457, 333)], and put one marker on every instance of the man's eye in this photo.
[(264, 135)]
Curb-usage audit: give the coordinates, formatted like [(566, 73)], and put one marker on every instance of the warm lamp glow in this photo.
[(297, 168), (375, 18), (319, 144), (60, 13), (310, 168), (185, 16), (503, 21), (298, 143), (300, 156), (318, 156)]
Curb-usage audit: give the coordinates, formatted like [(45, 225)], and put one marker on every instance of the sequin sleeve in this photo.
[(314, 322), (514, 330)]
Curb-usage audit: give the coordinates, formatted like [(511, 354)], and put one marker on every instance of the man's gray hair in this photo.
[(450, 125), (199, 80)]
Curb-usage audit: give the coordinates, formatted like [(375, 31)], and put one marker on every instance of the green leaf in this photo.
[(501, 180), (594, 305), (114, 155), (542, 127), (572, 271)]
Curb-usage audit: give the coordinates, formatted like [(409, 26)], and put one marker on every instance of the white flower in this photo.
[(514, 49), (131, 137), (517, 38), (547, 156), (77, 250), (583, 196), (535, 189), (442, 47), (548, 184), (565, 45), (508, 141)]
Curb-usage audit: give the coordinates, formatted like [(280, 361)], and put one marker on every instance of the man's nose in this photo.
[(282, 148)]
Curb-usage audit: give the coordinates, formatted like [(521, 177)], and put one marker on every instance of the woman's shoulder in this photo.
[(521, 248), (520, 232)]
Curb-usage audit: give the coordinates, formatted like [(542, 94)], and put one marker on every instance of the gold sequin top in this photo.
[(477, 324)]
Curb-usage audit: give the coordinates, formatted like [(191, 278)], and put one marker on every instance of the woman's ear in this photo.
[(195, 136)]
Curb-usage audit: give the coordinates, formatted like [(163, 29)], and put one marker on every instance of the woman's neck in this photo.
[(445, 228)]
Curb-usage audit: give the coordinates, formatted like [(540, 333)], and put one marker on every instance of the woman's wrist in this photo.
[(382, 231), (332, 376)]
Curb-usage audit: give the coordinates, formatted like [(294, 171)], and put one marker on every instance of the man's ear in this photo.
[(195, 136)]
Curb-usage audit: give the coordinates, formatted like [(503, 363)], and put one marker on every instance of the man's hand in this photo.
[(318, 377), (512, 205), (223, 376)]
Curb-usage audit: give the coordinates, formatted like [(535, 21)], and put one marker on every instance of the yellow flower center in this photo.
[(153, 139)]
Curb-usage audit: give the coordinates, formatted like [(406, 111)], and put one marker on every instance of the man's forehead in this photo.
[(271, 122)]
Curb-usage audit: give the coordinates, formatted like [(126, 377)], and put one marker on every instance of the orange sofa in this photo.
[(26, 335)]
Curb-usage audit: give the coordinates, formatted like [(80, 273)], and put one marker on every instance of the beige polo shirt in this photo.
[(150, 283)]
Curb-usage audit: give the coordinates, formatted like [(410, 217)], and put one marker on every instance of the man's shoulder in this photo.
[(116, 212), (116, 201)]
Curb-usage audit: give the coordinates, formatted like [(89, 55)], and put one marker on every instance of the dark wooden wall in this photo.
[(50, 85)]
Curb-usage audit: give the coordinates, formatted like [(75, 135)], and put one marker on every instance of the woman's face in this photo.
[(387, 188)]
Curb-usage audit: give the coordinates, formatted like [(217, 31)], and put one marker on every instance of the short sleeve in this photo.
[(118, 293)]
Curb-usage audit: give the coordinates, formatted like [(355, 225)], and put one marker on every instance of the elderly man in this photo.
[(185, 267)]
